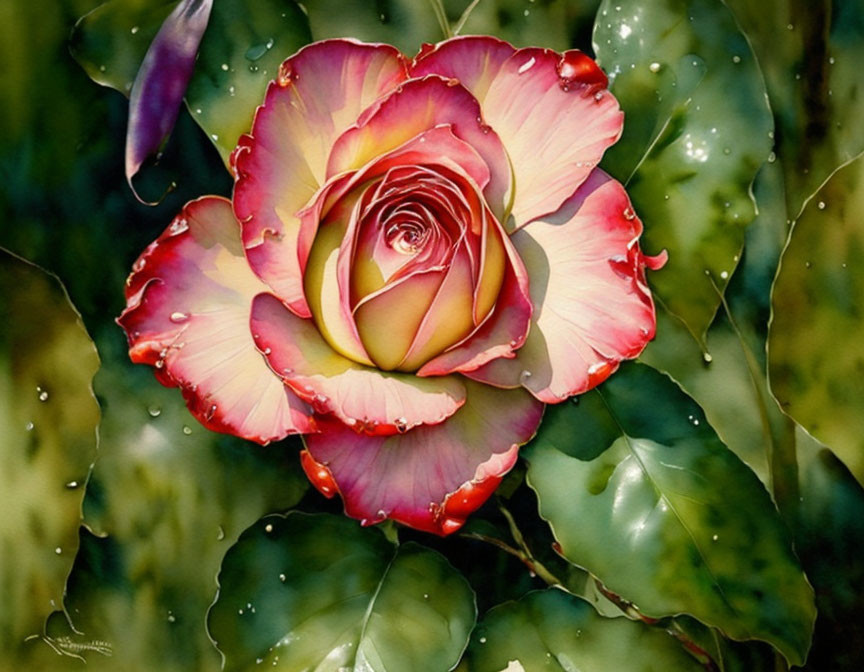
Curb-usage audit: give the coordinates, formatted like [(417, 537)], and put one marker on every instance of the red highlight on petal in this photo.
[(319, 475), (576, 67)]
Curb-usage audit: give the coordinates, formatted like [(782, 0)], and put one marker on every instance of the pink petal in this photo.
[(369, 400), (431, 478), (417, 106), (320, 91), (189, 300), (502, 332), (474, 60), (592, 308), (552, 112)]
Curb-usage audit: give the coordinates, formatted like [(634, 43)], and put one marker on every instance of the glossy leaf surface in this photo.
[(645, 476), (810, 53), (320, 592), (552, 630), (697, 129), (816, 353), (48, 420), (167, 499)]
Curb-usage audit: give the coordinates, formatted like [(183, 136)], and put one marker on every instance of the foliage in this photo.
[(703, 505)]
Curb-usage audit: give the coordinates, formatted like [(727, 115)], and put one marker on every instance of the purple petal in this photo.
[(161, 82)]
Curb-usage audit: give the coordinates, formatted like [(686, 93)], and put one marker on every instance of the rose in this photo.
[(417, 257)]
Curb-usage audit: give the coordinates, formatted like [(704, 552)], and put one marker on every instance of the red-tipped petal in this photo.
[(189, 300), (320, 91), (368, 400), (551, 111), (592, 307), (416, 106), (432, 477)]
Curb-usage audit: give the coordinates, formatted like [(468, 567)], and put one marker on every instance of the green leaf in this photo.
[(810, 54), (554, 24), (697, 129), (640, 491), (48, 416), (167, 499), (241, 52), (406, 24), (815, 349), (110, 41), (319, 592), (829, 537), (551, 629)]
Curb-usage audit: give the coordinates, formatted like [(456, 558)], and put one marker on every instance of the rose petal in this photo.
[(473, 59), (188, 305), (502, 332), (414, 107), (369, 400), (161, 82), (431, 478), (592, 307), (320, 91), (551, 111)]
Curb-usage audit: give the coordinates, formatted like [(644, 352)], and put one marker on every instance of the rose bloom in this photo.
[(418, 256)]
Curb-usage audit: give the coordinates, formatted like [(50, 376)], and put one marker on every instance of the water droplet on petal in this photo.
[(526, 66), (401, 425), (178, 317)]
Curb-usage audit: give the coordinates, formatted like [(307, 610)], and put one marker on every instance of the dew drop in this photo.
[(171, 617), (225, 67), (187, 430), (401, 425), (282, 578), (134, 29), (724, 275), (715, 538), (268, 528), (43, 394), (154, 411), (654, 67), (72, 485), (831, 60), (736, 59), (707, 358), (29, 426), (821, 205), (727, 151), (772, 157), (179, 317), (629, 215), (482, 640), (58, 550), (527, 65)]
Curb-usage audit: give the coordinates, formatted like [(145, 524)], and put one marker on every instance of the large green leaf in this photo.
[(810, 52), (551, 629), (555, 24), (48, 420), (319, 592), (167, 499), (829, 538), (240, 53), (815, 349), (640, 491), (697, 129), (406, 24)]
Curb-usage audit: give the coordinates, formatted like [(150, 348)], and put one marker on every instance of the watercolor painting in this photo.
[(430, 335)]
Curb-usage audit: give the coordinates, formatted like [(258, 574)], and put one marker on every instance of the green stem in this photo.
[(460, 24), (441, 15)]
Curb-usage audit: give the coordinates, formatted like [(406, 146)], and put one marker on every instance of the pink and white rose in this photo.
[(418, 256)]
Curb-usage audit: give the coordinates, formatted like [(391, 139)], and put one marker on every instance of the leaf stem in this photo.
[(533, 563), (460, 24), (441, 15)]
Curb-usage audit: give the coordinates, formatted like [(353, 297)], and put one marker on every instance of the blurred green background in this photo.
[(166, 499)]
